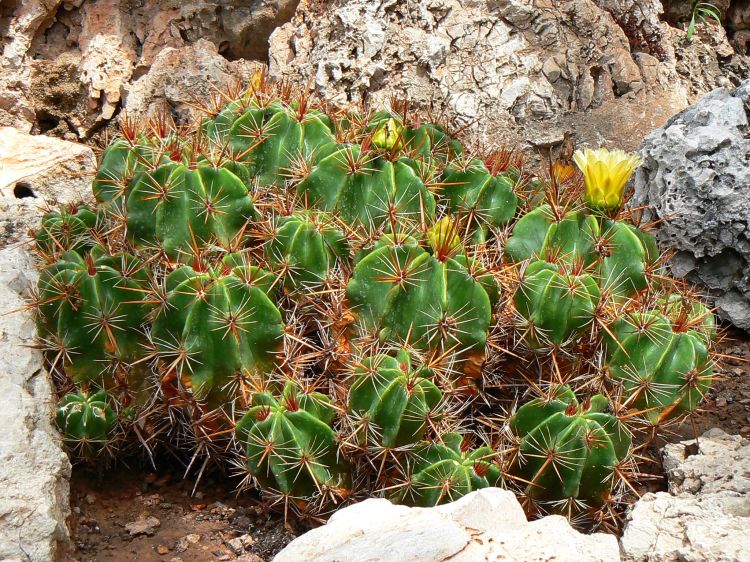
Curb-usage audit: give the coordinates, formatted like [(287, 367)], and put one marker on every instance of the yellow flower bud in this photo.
[(387, 134), (605, 175), (443, 238)]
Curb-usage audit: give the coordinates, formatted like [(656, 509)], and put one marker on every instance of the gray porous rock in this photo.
[(488, 524), (695, 179), (34, 469), (705, 516)]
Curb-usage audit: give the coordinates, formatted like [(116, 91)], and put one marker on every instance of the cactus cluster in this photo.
[(355, 303)]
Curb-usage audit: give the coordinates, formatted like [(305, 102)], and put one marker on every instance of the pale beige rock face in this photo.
[(520, 73), (705, 516), (35, 171), (485, 525), (181, 78), (34, 469), (113, 44)]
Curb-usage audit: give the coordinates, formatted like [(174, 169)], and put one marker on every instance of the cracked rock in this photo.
[(705, 515)]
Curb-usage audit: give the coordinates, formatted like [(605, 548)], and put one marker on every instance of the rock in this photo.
[(181, 77), (695, 178), (512, 68), (705, 515), (34, 469), (37, 171), (241, 544), (716, 462), (140, 527), (485, 525), (84, 55)]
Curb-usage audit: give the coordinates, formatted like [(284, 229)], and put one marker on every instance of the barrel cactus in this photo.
[(665, 369), (445, 470), (390, 404), (327, 295), (304, 248), (70, 228), (569, 451), (218, 324), (174, 208), (555, 305), (621, 256), (432, 301), (91, 316), (291, 447), (86, 420)]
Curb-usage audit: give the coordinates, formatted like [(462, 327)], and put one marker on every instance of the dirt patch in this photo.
[(128, 515)]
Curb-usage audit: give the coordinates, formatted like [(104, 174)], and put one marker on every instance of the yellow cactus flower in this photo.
[(388, 134), (605, 175)]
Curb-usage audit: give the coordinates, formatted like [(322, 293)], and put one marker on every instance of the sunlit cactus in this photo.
[(391, 404), (445, 470), (665, 368), (92, 316), (555, 305), (304, 248), (291, 448), (348, 303), (172, 208), (218, 325), (618, 254), (568, 451), (432, 301), (71, 228), (481, 200)]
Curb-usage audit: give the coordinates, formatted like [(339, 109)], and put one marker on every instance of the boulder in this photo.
[(487, 524), (706, 513), (34, 469), (37, 171), (695, 180)]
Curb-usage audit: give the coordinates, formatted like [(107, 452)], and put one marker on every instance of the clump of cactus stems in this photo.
[(346, 304)]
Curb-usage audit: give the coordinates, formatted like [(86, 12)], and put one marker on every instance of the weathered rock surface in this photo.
[(525, 72), (695, 178), (485, 525), (34, 470), (179, 78), (36, 171), (706, 513), (65, 64)]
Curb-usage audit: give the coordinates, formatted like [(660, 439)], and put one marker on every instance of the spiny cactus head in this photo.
[(86, 421), (304, 248), (555, 306), (664, 373), (568, 450), (291, 448), (93, 307), (446, 470), (390, 404), (70, 228)]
